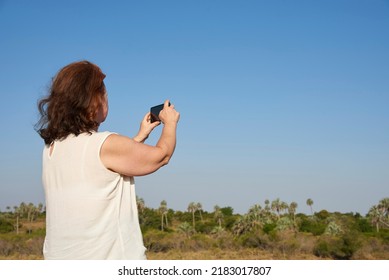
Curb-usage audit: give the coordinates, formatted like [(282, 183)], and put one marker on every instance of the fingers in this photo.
[(155, 124), (167, 104), (147, 117), (168, 113), (146, 122)]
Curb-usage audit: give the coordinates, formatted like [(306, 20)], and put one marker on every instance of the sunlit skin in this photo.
[(130, 156)]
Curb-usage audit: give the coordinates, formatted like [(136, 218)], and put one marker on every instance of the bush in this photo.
[(364, 225), (227, 211), (205, 227), (158, 241), (149, 219), (339, 248), (5, 225), (306, 242), (322, 215), (198, 242), (383, 234), (21, 246), (313, 226), (6, 248), (224, 240), (255, 239), (229, 221), (267, 228), (287, 243)]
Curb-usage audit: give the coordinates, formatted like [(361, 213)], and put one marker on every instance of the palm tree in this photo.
[(255, 215), (292, 210), (200, 209), (285, 223), (276, 206), (163, 211), (22, 209), (31, 211), (379, 214), (310, 203), (267, 205), (333, 229), (375, 217), (243, 224), (384, 206), (217, 231), (17, 215), (284, 206), (186, 228), (192, 208), (218, 214)]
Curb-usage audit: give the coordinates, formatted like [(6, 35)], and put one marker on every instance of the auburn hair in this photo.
[(75, 96)]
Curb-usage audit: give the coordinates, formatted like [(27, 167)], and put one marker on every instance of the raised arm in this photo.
[(128, 157)]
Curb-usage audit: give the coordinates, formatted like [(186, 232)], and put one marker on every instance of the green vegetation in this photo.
[(22, 232), (271, 231)]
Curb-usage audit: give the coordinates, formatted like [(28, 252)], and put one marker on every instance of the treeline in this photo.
[(11, 219), (273, 230), (276, 213), (22, 231)]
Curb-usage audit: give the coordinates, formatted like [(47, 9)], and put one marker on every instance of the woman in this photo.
[(88, 175)]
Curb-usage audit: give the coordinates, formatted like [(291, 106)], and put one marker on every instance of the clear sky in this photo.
[(278, 99)]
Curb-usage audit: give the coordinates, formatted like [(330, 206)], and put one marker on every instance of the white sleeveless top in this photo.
[(91, 212)]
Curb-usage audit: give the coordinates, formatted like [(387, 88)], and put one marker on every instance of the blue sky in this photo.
[(278, 99)]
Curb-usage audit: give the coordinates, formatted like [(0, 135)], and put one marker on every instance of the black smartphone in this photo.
[(155, 112)]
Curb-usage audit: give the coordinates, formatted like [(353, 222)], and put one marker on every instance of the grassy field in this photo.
[(262, 233), (219, 254), (174, 245)]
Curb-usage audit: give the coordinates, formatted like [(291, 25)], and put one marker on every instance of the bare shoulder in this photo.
[(114, 139), (115, 144), (125, 156)]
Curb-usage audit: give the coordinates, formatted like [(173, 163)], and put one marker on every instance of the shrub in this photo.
[(333, 229), (158, 241), (198, 242), (223, 240), (364, 225), (6, 248), (339, 248), (205, 227), (306, 242), (5, 225), (383, 235), (322, 215), (267, 228), (229, 221), (313, 226), (255, 239), (21, 246), (285, 224), (149, 219), (286, 243)]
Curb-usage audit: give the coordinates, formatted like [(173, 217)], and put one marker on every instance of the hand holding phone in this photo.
[(154, 112)]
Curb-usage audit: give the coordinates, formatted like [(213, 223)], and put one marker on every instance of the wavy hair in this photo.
[(75, 96)]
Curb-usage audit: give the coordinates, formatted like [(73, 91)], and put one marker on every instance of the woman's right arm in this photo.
[(125, 156)]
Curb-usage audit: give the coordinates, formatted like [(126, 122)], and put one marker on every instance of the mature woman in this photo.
[(88, 175)]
